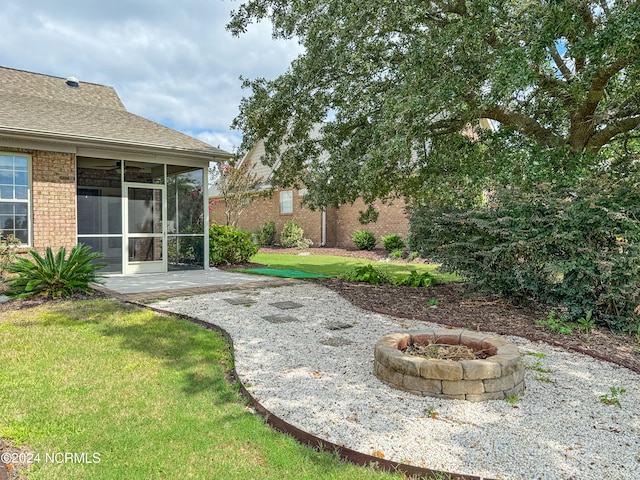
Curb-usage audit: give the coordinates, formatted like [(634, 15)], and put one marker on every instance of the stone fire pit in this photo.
[(498, 376)]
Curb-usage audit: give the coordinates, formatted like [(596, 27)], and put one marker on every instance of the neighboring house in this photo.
[(333, 227), (76, 167)]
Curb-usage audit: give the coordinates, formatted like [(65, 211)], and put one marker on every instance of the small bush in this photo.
[(188, 250), (396, 254), (412, 256), (392, 242), (368, 274), (54, 276), (268, 233), (8, 246), (364, 240), (292, 236), (556, 324), (229, 245), (415, 279)]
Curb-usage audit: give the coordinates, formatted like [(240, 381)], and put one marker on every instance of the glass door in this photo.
[(145, 236)]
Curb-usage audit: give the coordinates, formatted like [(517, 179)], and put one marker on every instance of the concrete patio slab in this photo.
[(142, 287)]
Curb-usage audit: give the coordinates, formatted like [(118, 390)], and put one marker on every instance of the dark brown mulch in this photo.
[(18, 466), (40, 300), (240, 266), (457, 309)]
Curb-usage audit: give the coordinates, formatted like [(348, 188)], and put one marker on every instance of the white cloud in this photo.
[(171, 62), (226, 141)]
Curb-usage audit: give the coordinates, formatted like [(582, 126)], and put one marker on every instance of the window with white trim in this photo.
[(14, 196), (286, 202)]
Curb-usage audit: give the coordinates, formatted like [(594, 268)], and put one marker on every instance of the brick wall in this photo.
[(53, 194), (54, 200), (391, 219), (341, 222), (260, 211)]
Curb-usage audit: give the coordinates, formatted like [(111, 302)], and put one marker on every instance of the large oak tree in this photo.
[(397, 85)]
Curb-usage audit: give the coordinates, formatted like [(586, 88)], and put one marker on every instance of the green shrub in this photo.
[(578, 247), (364, 240), (229, 245), (395, 254), (556, 324), (8, 246), (187, 250), (368, 274), (413, 255), (54, 276), (415, 279), (392, 242), (268, 233), (292, 236)]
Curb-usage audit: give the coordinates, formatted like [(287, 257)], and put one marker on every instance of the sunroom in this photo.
[(143, 216)]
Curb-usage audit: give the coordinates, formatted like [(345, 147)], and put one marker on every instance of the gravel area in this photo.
[(312, 366)]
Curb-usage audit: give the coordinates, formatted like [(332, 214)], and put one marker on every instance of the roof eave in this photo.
[(109, 143)]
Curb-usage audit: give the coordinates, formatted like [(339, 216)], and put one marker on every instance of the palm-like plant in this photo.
[(54, 276)]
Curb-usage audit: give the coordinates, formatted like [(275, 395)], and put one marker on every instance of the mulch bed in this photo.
[(40, 300), (456, 308)]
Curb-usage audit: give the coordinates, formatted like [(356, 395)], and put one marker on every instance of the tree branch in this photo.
[(555, 87), (582, 117), (557, 59), (602, 137), (523, 124), (605, 9), (459, 7), (587, 18)]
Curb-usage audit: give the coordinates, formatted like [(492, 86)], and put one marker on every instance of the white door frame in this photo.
[(148, 266)]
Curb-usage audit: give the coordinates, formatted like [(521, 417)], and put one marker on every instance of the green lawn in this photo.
[(334, 266), (146, 393)]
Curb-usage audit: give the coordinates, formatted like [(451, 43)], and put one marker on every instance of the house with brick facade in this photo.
[(77, 167), (332, 227)]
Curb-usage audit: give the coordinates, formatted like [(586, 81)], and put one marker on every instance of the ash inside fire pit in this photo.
[(444, 352)]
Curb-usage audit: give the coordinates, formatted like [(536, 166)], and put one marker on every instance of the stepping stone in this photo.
[(239, 300), (286, 305), (338, 326), (336, 342), (280, 318)]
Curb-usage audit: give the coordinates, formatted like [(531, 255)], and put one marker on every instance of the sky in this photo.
[(170, 61)]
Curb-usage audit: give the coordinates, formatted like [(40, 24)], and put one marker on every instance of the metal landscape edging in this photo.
[(346, 454)]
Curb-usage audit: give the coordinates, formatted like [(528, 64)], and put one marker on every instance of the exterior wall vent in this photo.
[(73, 82)]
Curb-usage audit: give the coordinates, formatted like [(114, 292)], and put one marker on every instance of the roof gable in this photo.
[(45, 106)]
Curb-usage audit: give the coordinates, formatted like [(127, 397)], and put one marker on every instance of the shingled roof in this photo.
[(48, 107)]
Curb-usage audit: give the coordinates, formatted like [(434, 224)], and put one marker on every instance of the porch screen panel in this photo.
[(185, 217), (99, 199)]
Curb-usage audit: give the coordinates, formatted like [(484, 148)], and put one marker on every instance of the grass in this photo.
[(147, 393), (334, 266)]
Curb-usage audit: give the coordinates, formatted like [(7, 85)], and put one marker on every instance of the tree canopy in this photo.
[(399, 87)]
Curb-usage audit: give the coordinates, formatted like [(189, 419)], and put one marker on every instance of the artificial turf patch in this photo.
[(274, 272)]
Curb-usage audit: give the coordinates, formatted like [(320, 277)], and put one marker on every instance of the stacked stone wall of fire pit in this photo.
[(498, 376)]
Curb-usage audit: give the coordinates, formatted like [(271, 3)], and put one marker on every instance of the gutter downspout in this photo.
[(324, 227)]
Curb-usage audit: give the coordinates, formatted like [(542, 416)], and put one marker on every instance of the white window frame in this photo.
[(286, 202), (26, 201)]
